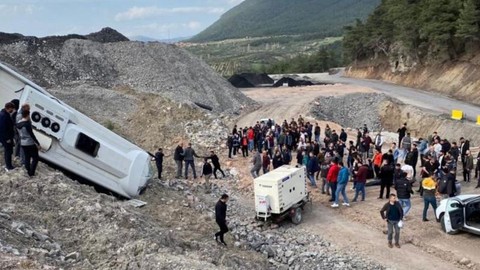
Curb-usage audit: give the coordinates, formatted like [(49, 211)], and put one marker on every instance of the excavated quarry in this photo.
[(381, 112)]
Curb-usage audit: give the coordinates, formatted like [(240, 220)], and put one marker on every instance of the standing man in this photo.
[(361, 178), (342, 182), (401, 133), (313, 166), (189, 155), (159, 162), (316, 132), (332, 177), (378, 141), (343, 136), (178, 157), (429, 186), (404, 192), (257, 163), (467, 169), (216, 164), (221, 219), (386, 178), (406, 146), (392, 213), (464, 147), (7, 134), (29, 142)]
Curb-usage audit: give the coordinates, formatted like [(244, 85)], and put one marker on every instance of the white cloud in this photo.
[(16, 9), (147, 12)]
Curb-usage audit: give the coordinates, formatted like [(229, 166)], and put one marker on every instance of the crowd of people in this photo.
[(332, 162)]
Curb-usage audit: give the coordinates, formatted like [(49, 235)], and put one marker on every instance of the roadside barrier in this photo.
[(478, 119), (457, 115)]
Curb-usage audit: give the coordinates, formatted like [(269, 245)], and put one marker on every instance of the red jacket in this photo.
[(244, 141), (362, 174), (333, 173), (250, 134)]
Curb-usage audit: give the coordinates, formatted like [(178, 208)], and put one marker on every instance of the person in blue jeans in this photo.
[(361, 180), (404, 191), (342, 182), (429, 186)]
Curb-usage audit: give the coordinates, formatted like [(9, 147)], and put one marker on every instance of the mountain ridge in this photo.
[(255, 18)]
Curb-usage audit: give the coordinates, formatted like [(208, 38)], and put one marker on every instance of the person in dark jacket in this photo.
[(159, 162), (312, 167), (178, 157), (17, 115), (7, 134), (221, 219), (277, 160), (343, 136), (392, 213), (412, 159), (361, 178), (386, 178), (207, 171), (404, 191), (29, 142), (216, 164), (189, 155)]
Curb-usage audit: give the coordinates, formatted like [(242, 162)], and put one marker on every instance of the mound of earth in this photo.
[(292, 82), (246, 80), (95, 60)]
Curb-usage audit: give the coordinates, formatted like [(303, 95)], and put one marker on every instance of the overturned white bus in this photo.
[(76, 143)]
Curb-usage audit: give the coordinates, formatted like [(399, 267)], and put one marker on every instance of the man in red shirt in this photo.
[(250, 137), (332, 176), (361, 181)]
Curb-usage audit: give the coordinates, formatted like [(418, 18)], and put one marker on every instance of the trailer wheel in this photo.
[(296, 215)]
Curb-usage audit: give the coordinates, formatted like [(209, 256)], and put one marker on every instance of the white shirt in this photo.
[(409, 170)]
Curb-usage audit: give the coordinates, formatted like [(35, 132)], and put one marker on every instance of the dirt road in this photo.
[(359, 228)]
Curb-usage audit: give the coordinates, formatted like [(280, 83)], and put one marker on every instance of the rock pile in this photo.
[(352, 110), (60, 62)]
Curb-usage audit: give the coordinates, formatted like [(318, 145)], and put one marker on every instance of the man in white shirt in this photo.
[(409, 170)]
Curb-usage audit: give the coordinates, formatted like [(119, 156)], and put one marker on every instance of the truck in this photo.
[(281, 193), (77, 144)]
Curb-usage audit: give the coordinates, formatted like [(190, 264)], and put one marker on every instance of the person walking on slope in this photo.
[(392, 213), (257, 163), (7, 134), (207, 172), (189, 155), (216, 164), (159, 162), (221, 219), (342, 182), (178, 157), (29, 142)]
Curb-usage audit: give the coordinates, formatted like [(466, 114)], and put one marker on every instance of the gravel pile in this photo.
[(352, 110), (61, 62)]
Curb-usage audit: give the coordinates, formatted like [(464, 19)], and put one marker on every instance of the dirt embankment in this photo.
[(381, 112), (459, 80)]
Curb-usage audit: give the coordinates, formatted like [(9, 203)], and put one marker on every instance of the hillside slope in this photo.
[(427, 44), (255, 18), (61, 62)]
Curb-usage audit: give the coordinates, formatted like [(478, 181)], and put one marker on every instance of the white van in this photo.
[(76, 143)]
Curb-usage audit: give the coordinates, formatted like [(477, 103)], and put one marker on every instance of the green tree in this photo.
[(468, 20)]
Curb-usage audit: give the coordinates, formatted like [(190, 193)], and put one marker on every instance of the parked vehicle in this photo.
[(76, 143), (460, 213), (281, 193)]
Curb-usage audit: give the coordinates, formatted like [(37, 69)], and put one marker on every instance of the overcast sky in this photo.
[(159, 19)]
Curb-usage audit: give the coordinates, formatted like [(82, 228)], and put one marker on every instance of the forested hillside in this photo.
[(428, 44), (258, 18), (429, 31)]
